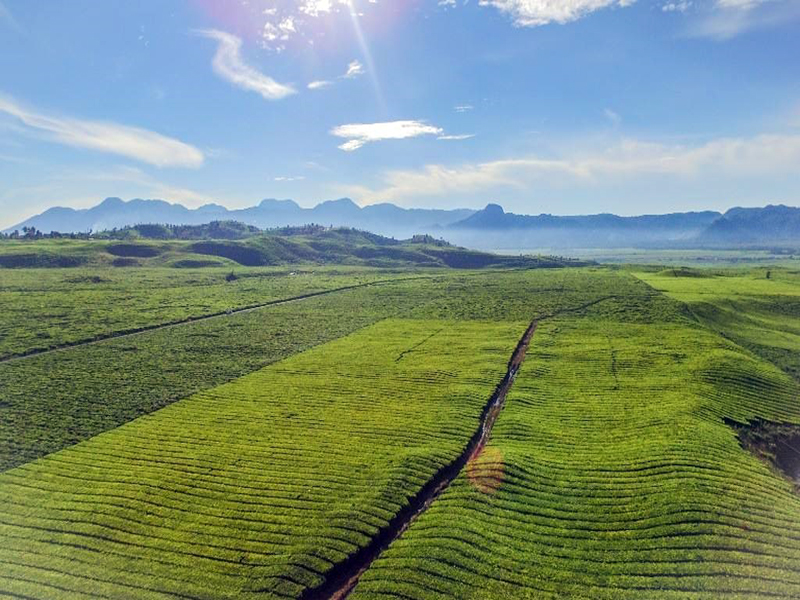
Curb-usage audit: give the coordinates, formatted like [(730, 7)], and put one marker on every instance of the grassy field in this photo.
[(789, 258), (45, 308), (757, 308), (255, 488), (611, 474), (53, 400), (250, 454)]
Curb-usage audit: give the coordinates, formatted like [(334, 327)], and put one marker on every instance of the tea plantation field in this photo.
[(611, 474), (46, 308), (757, 308), (266, 453), (50, 401), (255, 488)]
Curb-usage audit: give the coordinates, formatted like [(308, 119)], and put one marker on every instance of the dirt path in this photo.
[(404, 353), (344, 576), (188, 320)]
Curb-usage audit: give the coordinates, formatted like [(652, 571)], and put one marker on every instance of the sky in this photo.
[(542, 106)]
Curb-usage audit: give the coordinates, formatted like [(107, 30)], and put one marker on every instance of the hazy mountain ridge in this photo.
[(493, 227), (386, 219), (773, 223), (488, 228)]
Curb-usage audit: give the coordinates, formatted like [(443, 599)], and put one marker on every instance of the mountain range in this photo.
[(489, 228), (386, 219)]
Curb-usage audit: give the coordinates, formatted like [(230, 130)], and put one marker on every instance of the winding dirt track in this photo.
[(188, 320), (344, 576)]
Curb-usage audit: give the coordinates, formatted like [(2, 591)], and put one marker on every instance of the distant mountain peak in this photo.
[(494, 209), (211, 207), (111, 202), (340, 202), (274, 202), (491, 217), (269, 213)]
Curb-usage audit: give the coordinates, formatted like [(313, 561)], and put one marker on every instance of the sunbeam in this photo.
[(365, 51)]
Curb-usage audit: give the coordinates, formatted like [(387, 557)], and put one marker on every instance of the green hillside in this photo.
[(757, 308), (210, 247)]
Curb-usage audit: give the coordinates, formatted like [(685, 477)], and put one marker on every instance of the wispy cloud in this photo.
[(132, 142), (359, 134), (284, 179), (726, 19), (354, 69), (462, 108), (757, 156), (681, 6), (533, 13), (141, 184), (462, 136), (7, 18), (229, 65)]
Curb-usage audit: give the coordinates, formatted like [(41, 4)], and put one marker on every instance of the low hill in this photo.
[(198, 247), (218, 230)]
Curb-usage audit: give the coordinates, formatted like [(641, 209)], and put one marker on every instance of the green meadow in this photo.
[(758, 309), (184, 433)]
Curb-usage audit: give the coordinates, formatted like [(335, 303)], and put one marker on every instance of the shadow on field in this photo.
[(777, 444)]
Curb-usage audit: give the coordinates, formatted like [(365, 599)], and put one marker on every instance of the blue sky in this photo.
[(567, 107)]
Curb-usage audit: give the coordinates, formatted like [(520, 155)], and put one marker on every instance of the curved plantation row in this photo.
[(257, 487), (50, 309), (612, 475), (51, 401), (756, 308)]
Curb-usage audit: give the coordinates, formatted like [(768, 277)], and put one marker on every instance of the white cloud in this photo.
[(287, 179), (463, 136), (682, 6), (315, 8), (287, 25), (359, 134), (354, 69), (740, 4), (229, 65), (532, 13), (462, 108), (759, 156), (726, 19), (132, 142)]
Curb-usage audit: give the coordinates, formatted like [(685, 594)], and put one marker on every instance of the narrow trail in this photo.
[(216, 315), (343, 577)]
